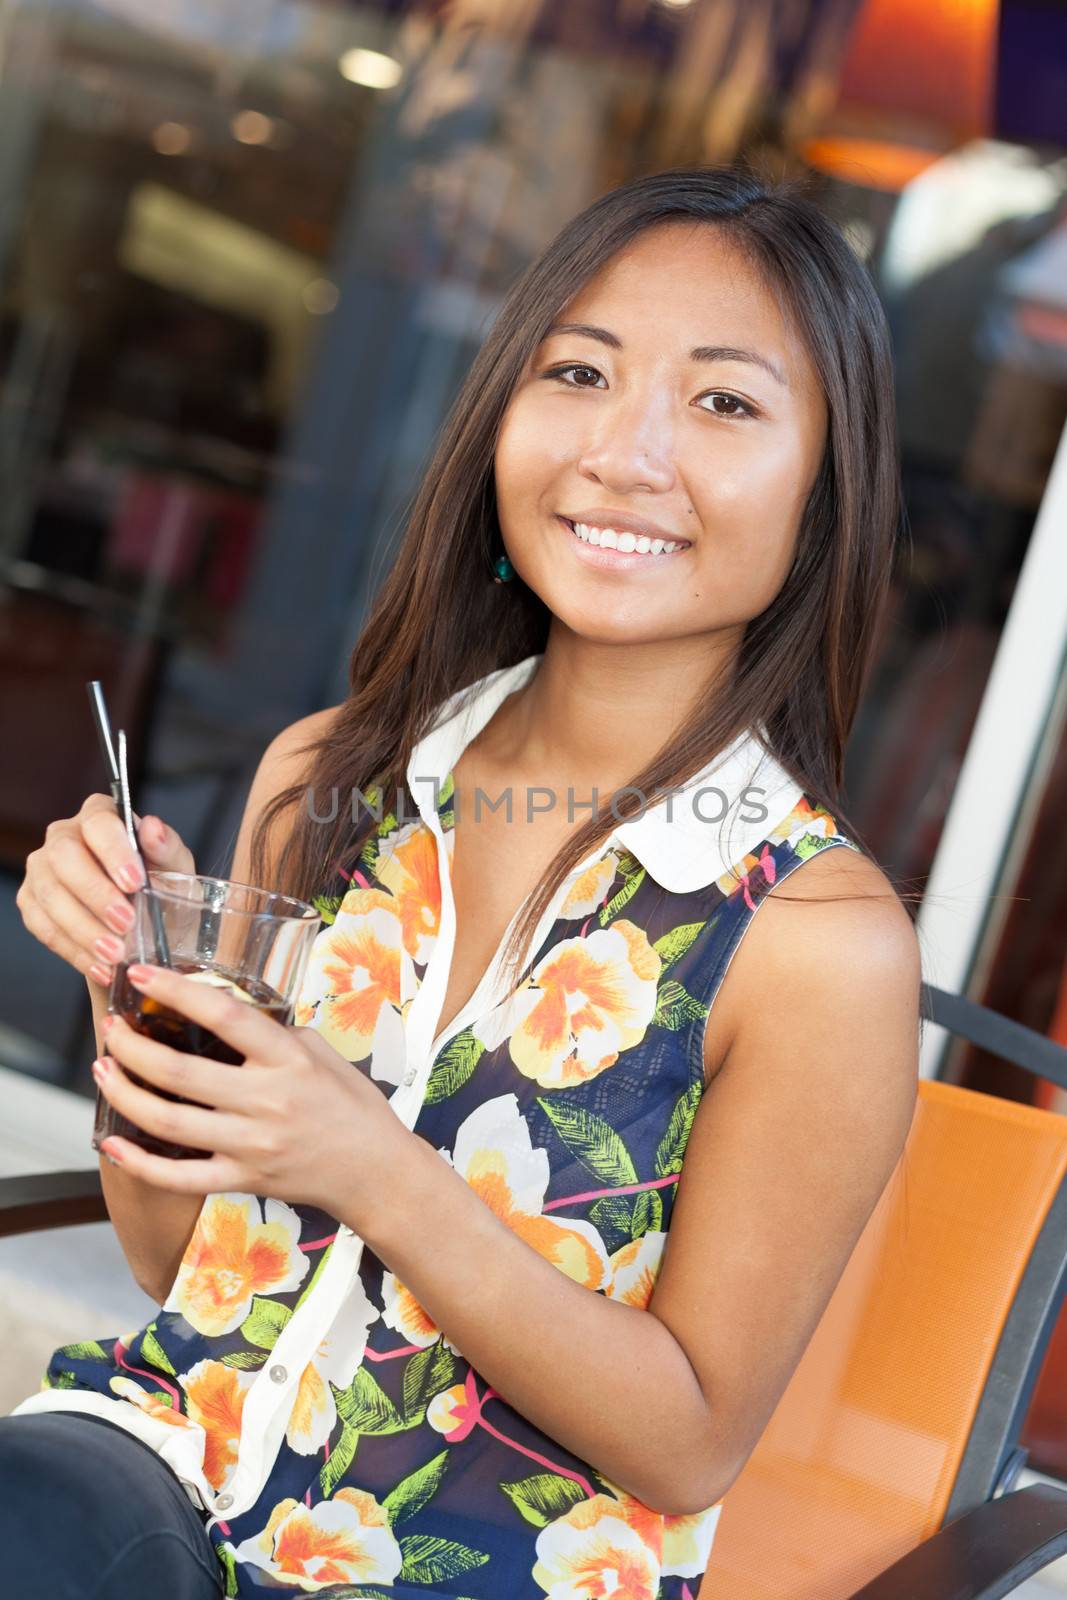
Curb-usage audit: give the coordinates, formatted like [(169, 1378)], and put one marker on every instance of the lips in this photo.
[(605, 517), (608, 559)]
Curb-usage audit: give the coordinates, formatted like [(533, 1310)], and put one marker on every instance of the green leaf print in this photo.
[(313, 1280), (326, 905), (413, 1492), (425, 1375), (246, 1360), (359, 1593), (673, 945), (544, 1497), (446, 791), (62, 1380), (627, 892), (675, 1006), (227, 1558), (153, 1352), (809, 844), (612, 1215), (87, 1350), (648, 1213), (594, 1141), (672, 1145), (367, 1407), (454, 1067), (265, 1322), (429, 1560), (341, 1457)]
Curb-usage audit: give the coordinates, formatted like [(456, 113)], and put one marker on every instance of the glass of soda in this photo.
[(252, 942)]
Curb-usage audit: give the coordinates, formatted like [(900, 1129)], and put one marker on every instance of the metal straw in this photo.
[(120, 793)]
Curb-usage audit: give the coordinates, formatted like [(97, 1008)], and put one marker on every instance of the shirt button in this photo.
[(409, 1077), (278, 1375), (224, 1502)]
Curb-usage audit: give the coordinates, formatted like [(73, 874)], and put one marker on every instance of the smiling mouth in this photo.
[(624, 542)]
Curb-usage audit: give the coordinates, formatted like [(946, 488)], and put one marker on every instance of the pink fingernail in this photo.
[(131, 876)]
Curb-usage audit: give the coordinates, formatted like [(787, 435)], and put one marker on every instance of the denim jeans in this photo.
[(89, 1512)]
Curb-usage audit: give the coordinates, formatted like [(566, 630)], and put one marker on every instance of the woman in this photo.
[(676, 453)]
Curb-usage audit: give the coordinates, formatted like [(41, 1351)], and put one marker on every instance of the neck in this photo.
[(594, 714)]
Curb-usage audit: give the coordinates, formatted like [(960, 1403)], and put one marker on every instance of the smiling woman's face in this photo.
[(658, 417)]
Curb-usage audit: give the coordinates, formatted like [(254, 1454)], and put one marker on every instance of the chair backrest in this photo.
[(910, 1396)]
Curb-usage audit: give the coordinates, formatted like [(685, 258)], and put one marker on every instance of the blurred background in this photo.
[(247, 252)]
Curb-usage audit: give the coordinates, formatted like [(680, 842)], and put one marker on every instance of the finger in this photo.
[(236, 1022), (217, 1176), (195, 1126), (66, 858), (52, 936), (164, 847), (99, 937), (104, 833), (209, 1083)]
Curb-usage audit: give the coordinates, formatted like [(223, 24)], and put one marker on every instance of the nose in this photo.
[(631, 447)]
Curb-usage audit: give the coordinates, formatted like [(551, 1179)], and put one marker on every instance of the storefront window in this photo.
[(247, 253)]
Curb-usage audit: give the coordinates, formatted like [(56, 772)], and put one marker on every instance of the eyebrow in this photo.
[(702, 352)]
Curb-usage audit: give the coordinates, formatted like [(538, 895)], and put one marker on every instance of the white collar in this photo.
[(682, 851)]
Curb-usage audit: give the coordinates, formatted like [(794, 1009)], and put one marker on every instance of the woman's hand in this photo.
[(73, 897), (296, 1121)]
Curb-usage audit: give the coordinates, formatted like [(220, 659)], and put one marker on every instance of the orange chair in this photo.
[(886, 1470)]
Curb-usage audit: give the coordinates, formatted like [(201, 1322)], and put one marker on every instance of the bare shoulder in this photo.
[(832, 932), (289, 749), (283, 763)]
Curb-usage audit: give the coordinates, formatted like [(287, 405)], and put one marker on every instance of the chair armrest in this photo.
[(50, 1200), (986, 1553)]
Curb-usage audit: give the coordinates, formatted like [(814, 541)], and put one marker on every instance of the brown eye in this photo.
[(744, 409), (574, 367)]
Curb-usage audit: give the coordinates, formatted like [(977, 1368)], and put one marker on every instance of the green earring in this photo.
[(503, 571)]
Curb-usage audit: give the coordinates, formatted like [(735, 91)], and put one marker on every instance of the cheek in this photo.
[(529, 454)]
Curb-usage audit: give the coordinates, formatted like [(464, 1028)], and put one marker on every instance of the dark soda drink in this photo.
[(148, 1016)]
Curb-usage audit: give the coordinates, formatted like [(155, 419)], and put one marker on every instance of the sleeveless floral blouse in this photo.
[(334, 1438)]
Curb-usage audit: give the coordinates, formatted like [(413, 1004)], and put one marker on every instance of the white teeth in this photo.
[(626, 543)]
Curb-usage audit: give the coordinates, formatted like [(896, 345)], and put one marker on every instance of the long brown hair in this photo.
[(439, 622)]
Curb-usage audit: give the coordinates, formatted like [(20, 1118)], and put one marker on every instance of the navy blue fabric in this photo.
[(88, 1512)]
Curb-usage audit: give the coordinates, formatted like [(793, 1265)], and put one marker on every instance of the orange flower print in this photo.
[(586, 894), (343, 1540), (494, 1152), (233, 1254), (600, 1547), (451, 1413), (584, 1003), (216, 1398), (682, 1543), (635, 1268), (335, 1361), (357, 977), (599, 1539), (159, 1406), (407, 865)]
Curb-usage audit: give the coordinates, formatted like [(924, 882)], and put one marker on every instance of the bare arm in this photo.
[(792, 1144), (155, 1225)]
